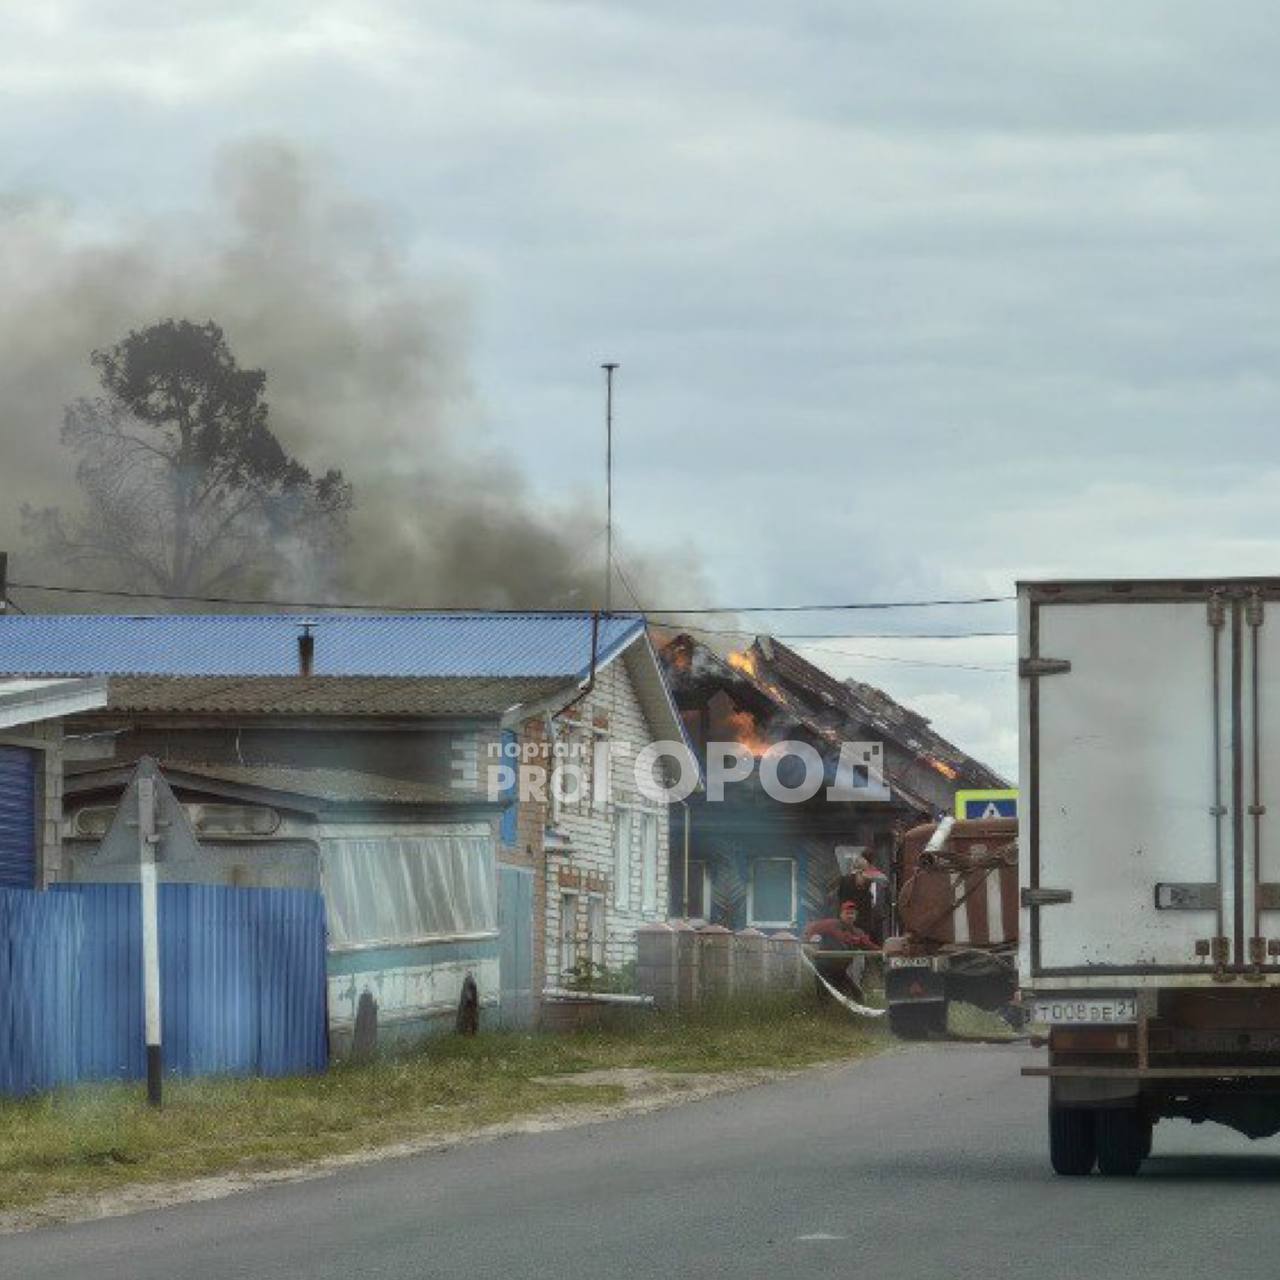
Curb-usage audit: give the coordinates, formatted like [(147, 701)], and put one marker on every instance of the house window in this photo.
[(596, 932), (772, 899), (600, 773), (649, 862), (400, 889), (568, 934), (622, 860), (699, 905)]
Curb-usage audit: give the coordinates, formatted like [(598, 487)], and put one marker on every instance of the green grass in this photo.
[(967, 1022), (104, 1137)]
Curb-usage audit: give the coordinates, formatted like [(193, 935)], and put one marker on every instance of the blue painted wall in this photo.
[(515, 925)]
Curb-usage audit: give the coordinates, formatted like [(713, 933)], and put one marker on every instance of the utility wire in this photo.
[(913, 662), (838, 607), (263, 602), (625, 579), (841, 635)]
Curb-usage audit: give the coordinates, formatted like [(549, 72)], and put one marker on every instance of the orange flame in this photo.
[(744, 661), (945, 769), (743, 726)]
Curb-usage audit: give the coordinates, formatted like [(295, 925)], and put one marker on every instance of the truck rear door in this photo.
[(1133, 716), (1258, 623)]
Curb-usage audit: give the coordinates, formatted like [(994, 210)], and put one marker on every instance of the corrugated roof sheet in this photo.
[(328, 695), (28, 701), (866, 705), (417, 644), (831, 709), (334, 786)]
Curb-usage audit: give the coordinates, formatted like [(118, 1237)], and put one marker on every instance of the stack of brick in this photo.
[(680, 966), (748, 961), (716, 962), (656, 967), (784, 970), (688, 968)]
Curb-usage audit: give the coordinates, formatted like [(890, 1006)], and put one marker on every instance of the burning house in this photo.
[(749, 860)]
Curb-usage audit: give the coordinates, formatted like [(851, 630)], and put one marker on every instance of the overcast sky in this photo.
[(911, 299)]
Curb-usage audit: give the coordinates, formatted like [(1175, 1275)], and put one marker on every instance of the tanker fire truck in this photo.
[(957, 911)]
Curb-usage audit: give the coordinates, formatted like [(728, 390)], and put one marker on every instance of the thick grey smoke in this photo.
[(366, 367)]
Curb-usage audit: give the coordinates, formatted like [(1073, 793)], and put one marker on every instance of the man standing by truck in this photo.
[(864, 886)]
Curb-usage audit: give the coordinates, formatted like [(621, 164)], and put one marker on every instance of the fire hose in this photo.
[(860, 1010)]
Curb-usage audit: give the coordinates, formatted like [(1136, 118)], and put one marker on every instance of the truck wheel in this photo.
[(1123, 1138), (1148, 1135), (1072, 1144), (917, 1021), (939, 1019)]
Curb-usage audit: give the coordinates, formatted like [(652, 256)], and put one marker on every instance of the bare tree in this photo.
[(188, 491)]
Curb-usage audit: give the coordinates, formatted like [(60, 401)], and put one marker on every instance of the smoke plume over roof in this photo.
[(366, 362)]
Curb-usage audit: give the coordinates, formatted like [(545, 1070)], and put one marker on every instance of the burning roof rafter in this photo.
[(778, 694)]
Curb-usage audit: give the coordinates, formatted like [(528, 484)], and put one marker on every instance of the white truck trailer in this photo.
[(1149, 862)]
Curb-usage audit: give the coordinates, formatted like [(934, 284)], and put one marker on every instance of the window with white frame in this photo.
[(568, 933), (649, 862), (398, 889), (600, 772), (596, 931), (771, 897), (622, 837)]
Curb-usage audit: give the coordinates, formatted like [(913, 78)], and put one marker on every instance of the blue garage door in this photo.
[(17, 818)]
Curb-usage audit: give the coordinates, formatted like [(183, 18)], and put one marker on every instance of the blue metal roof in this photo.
[(417, 644)]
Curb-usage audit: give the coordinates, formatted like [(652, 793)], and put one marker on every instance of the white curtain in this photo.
[(397, 889)]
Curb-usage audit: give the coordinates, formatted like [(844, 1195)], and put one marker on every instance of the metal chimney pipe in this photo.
[(306, 651)]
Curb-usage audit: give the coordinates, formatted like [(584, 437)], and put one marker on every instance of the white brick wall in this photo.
[(591, 832)]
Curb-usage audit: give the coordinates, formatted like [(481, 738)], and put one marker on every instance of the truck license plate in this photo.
[(1084, 1010)]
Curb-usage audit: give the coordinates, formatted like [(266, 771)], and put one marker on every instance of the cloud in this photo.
[(908, 300)]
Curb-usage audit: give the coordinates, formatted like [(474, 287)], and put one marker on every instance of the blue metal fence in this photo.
[(242, 979), (40, 939)]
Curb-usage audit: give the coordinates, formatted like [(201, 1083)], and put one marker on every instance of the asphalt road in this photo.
[(925, 1162)]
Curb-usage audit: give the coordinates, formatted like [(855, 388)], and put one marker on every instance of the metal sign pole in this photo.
[(147, 841), (609, 370)]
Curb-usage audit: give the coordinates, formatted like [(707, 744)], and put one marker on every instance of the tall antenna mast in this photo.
[(608, 485)]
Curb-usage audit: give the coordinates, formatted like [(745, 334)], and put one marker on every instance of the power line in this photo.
[(369, 606), (837, 607), (843, 635), (913, 662), (626, 582), (868, 657)]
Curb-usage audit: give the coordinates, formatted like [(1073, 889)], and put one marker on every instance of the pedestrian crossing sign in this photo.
[(986, 804)]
